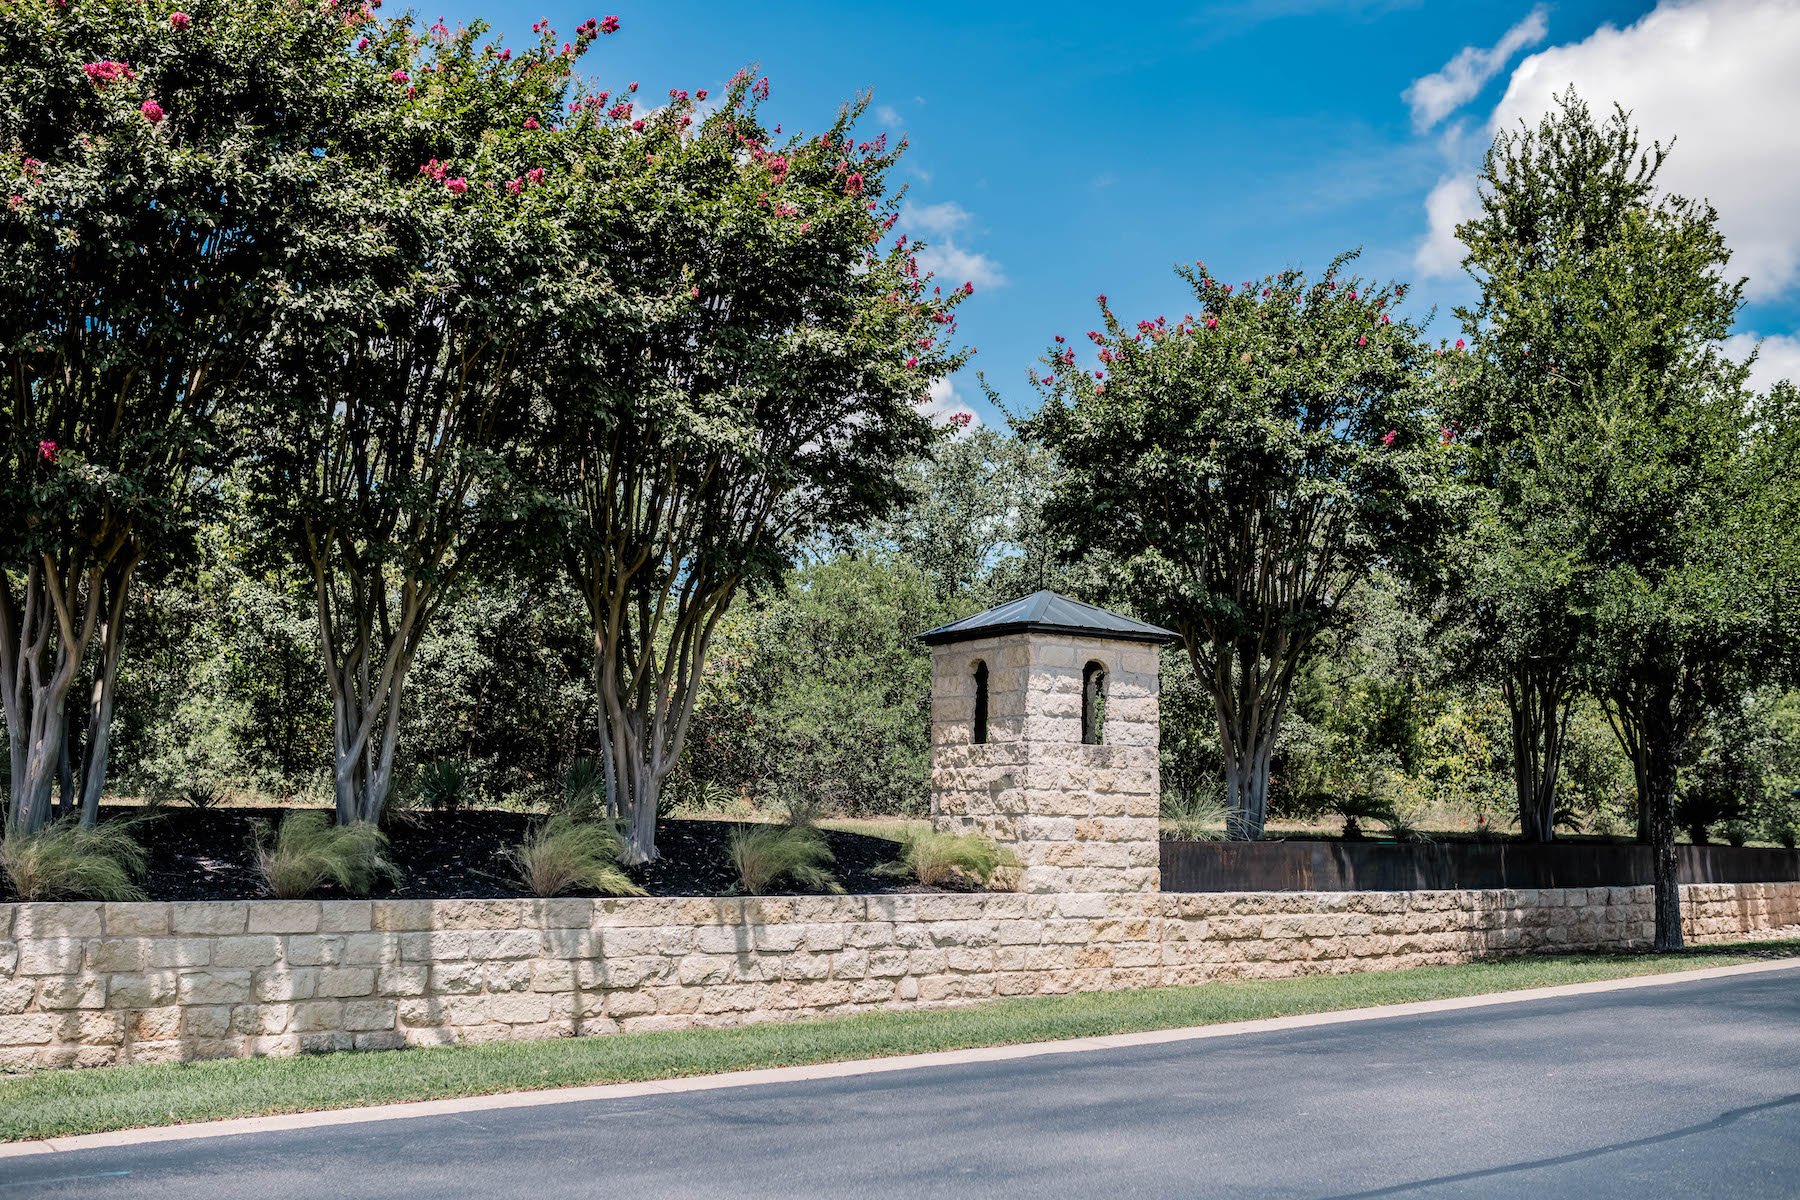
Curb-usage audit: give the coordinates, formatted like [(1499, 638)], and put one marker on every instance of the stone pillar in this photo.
[(1080, 817)]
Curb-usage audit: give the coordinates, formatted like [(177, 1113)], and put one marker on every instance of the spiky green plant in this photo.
[(308, 851), (444, 785), (765, 855), (935, 859), (64, 861), (567, 852)]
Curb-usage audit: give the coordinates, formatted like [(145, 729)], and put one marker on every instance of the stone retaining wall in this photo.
[(91, 984)]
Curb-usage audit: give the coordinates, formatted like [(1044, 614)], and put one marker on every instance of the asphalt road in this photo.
[(1689, 1090)]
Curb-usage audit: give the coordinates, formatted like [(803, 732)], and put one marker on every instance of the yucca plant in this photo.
[(765, 855), (584, 788), (936, 859), (566, 853), (64, 861), (444, 785), (308, 851)]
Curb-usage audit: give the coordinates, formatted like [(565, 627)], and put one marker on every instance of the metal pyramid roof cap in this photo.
[(1048, 612)]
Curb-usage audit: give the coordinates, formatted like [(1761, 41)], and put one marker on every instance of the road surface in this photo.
[(1686, 1090)]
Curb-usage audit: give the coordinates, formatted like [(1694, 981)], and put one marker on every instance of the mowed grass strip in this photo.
[(61, 1103)]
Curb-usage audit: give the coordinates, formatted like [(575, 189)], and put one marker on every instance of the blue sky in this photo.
[(1063, 150)]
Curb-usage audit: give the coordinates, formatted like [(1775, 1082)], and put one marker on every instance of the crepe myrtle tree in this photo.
[(1243, 468), (400, 375), (743, 374), (156, 164)]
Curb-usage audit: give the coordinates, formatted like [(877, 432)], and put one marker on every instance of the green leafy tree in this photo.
[(402, 374), (1245, 468), (742, 375), (1556, 203), (160, 168)]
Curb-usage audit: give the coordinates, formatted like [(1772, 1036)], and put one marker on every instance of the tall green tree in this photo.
[(1557, 201), (160, 167), (1244, 468), (401, 374), (744, 374)]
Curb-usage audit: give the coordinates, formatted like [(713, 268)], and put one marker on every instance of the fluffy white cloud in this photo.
[(1722, 78), (939, 226), (1437, 96), (1778, 359), (1450, 203), (943, 402), (888, 115)]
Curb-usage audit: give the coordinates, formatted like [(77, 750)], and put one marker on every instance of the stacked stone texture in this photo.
[(93, 984), (1081, 818)]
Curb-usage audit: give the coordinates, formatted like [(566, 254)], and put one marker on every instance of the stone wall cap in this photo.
[(1049, 612)]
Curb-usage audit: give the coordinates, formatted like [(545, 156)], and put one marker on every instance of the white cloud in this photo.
[(940, 227), (1435, 97), (1450, 203), (1778, 359), (1719, 77), (888, 115), (942, 402)]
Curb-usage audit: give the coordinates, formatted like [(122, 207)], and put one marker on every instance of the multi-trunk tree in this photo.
[(1556, 202), (158, 167), (743, 370), (1242, 469), (399, 376)]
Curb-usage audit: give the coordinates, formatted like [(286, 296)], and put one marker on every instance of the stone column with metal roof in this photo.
[(1044, 735)]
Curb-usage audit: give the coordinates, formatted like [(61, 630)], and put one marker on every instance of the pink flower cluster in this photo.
[(179, 20), (47, 451), (107, 71), (609, 25), (152, 111), (435, 170), (457, 186)]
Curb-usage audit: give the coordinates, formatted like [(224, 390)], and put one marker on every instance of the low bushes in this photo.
[(567, 852), (64, 861), (795, 855), (951, 859), (308, 851)]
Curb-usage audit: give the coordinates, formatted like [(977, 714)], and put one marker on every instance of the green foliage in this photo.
[(444, 786), (68, 861), (569, 853), (1194, 817), (1240, 470), (797, 858), (307, 851), (960, 859)]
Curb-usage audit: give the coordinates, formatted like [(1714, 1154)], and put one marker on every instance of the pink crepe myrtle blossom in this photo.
[(1384, 319), (1362, 341), (638, 125), (107, 71), (609, 24), (47, 451), (398, 76), (515, 186), (700, 95), (506, 54), (1212, 322), (632, 86), (362, 43), (694, 292), (535, 175), (853, 185), (961, 419), (1459, 343), (457, 186), (1447, 433), (15, 202), (912, 363), (968, 288), (531, 122), (153, 112), (1387, 439), (179, 20)]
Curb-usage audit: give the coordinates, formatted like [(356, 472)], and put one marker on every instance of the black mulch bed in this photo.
[(207, 855)]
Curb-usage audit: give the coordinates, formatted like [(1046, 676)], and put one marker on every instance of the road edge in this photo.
[(407, 1110)]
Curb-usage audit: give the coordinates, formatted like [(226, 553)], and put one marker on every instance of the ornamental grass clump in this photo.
[(951, 859), (308, 851), (64, 861), (567, 853), (767, 855)]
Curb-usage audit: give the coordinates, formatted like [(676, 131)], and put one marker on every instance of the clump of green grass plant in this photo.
[(64, 861), (308, 851)]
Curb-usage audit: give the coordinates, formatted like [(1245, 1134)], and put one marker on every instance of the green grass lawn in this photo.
[(53, 1103)]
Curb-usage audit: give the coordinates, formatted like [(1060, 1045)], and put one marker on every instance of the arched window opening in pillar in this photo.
[(981, 704), (1093, 704)]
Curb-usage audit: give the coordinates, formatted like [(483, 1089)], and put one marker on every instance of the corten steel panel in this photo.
[(1302, 866)]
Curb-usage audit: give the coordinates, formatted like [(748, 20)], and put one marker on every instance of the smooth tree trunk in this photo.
[(1539, 701), (1653, 726), (1250, 682), (45, 636)]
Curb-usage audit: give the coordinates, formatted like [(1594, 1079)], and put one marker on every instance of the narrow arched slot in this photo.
[(1093, 704), (980, 732)]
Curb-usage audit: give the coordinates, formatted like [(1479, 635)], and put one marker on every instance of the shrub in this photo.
[(1736, 833), (1199, 817), (444, 785), (765, 855), (65, 861), (203, 794), (308, 851), (566, 853), (936, 859)]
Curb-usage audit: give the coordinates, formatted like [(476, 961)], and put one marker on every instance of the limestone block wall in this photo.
[(92, 984), (1081, 818)]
